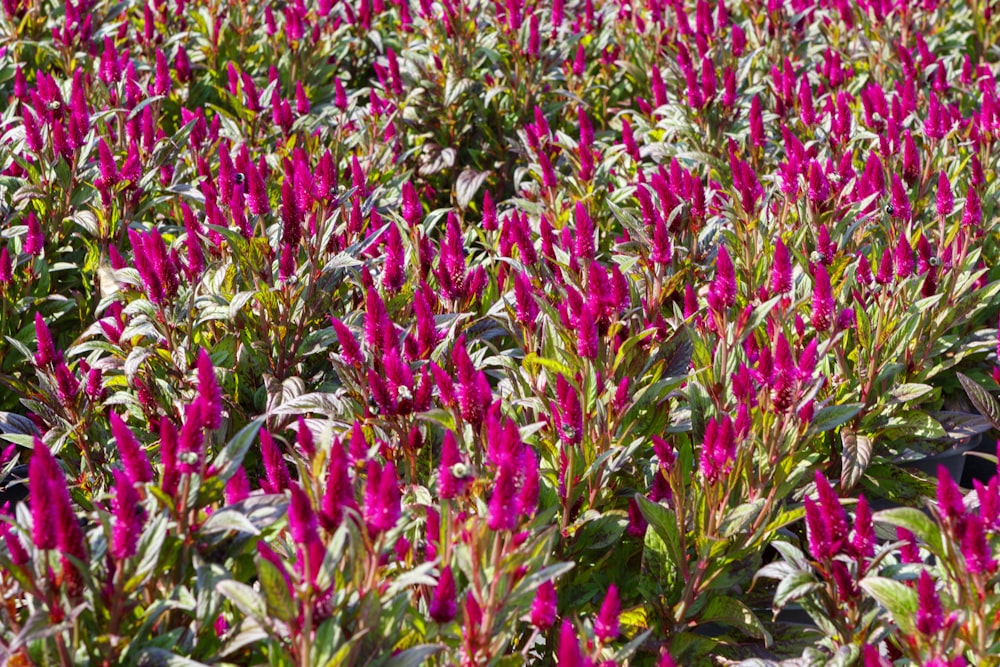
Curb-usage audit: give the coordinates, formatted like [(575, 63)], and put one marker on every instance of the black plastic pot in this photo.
[(953, 459), (978, 468)]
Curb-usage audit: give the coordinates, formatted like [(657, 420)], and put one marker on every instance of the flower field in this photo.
[(499, 332)]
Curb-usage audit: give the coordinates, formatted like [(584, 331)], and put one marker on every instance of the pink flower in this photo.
[(382, 498), (45, 480), (945, 199), (757, 137), (975, 548), (606, 623), (443, 604), (350, 351), (133, 454), (278, 480), (722, 293), (543, 606), (46, 353), (822, 300), (900, 200), (930, 615), (972, 214), (209, 391), (911, 159), (588, 340), (569, 653), (129, 517), (863, 539), (584, 247), (338, 496), (451, 483)]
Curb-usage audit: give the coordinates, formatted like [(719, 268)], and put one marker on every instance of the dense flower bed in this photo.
[(468, 332)]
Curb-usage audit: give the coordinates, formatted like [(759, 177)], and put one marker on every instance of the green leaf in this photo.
[(532, 359), (910, 391), (899, 599), (833, 416), (982, 399), (739, 519), (914, 423), (627, 651), (915, 521), (732, 612), (225, 520), (603, 531), (230, 458), (531, 583), (276, 594), (663, 521), (412, 657), (245, 598), (793, 588), (158, 657)]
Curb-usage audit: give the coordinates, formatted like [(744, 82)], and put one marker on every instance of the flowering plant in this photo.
[(493, 333)]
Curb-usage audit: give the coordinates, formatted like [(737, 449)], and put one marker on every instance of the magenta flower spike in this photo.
[(443, 604), (825, 246), (569, 652), (47, 353), (473, 392), (543, 606), (393, 273), (278, 480), (975, 548), (584, 247), (45, 480), (930, 615), (781, 270), (570, 413), (723, 288), (820, 545), (339, 493), (911, 159), (900, 201), (133, 454), (902, 258), (587, 340), (863, 538), (350, 351), (382, 498), (757, 136), (527, 498), (950, 504), (502, 510), (606, 623), (945, 199), (168, 456), (819, 186), (6, 267), (823, 304), (303, 526), (833, 512), (34, 240), (972, 214), (67, 384), (662, 249), (209, 391), (237, 487), (526, 308), (18, 554), (884, 275), (129, 517), (451, 478)]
